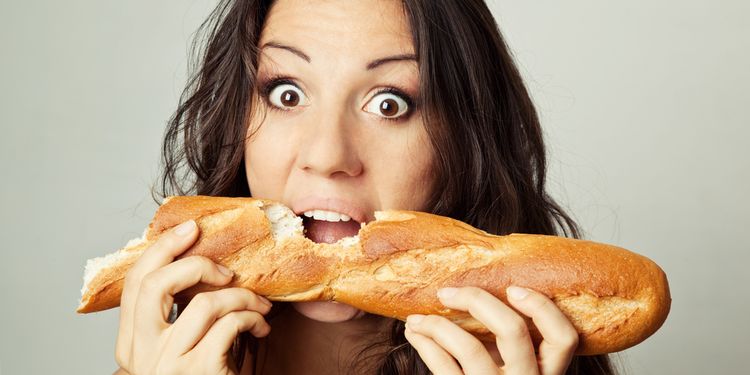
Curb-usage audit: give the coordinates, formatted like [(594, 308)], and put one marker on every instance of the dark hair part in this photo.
[(489, 150)]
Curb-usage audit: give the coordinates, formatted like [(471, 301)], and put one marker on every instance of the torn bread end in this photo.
[(284, 223), (96, 265)]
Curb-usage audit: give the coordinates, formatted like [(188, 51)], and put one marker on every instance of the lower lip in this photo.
[(329, 312)]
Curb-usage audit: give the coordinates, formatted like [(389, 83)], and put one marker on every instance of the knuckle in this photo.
[(130, 275), (256, 316), (202, 262), (166, 242), (542, 303), (476, 296), (444, 362), (570, 339), (252, 317), (236, 322), (251, 320), (474, 349), (133, 280), (517, 329), (204, 301), (150, 285)]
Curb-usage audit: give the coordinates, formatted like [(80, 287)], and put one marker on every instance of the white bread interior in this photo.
[(96, 265)]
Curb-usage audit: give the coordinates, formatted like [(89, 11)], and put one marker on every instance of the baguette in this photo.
[(395, 265)]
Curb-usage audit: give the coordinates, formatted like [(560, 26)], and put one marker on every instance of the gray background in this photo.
[(644, 105)]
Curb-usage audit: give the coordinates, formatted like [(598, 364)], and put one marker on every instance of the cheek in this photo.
[(408, 171), (267, 162)]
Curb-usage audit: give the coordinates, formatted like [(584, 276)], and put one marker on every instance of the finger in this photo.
[(494, 353), (560, 338), (220, 337), (512, 334), (169, 245), (203, 310), (155, 299), (467, 349), (162, 252), (436, 358)]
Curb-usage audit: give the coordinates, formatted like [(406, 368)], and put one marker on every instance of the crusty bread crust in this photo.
[(394, 267)]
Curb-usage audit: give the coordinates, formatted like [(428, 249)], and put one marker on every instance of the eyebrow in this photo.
[(370, 66)]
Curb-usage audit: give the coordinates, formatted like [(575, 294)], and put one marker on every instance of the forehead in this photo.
[(365, 28)]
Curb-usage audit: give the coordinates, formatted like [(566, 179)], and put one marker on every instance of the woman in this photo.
[(350, 107)]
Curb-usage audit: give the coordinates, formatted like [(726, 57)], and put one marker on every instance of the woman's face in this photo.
[(339, 82)]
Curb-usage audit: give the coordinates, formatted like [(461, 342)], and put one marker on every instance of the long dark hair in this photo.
[(490, 155)]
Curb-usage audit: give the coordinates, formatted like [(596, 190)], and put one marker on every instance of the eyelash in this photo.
[(267, 85)]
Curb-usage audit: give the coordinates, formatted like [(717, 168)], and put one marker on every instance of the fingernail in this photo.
[(224, 270), (414, 319), (447, 292), (185, 228), (516, 292), (265, 301)]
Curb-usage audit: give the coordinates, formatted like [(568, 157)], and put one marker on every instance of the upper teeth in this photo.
[(326, 215)]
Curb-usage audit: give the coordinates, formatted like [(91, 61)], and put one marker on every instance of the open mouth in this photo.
[(322, 228)]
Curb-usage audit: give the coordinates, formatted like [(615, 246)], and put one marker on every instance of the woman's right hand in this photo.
[(199, 340)]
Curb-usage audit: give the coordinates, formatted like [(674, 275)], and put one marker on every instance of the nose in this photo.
[(329, 146)]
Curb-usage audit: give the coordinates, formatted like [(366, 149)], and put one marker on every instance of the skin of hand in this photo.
[(447, 349), (199, 339)]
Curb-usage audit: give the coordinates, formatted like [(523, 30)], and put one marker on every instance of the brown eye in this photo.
[(387, 105), (287, 96)]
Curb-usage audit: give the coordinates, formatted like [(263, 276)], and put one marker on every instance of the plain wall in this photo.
[(644, 106)]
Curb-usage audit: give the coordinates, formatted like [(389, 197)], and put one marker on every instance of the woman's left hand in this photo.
[(448, 349)]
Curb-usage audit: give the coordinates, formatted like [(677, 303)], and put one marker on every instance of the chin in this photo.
[(329, 312)]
